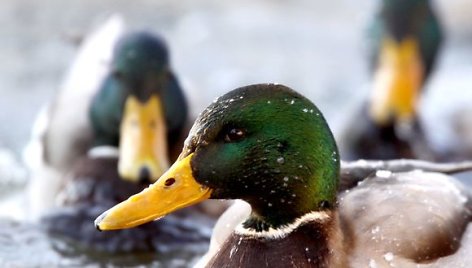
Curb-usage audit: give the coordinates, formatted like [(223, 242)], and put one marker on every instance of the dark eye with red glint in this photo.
[(234, 134), (117, 75)]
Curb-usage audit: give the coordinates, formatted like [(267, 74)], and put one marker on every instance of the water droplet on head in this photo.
[(286, 178), (292, 101), (269, 204), (280, 160), (268, 102), (305, 110)]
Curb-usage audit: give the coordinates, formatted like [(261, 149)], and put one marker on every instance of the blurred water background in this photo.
[(316, 47)]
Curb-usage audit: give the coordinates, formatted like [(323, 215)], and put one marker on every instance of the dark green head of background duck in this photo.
[(265, 144), (140, 107), (407, 37)]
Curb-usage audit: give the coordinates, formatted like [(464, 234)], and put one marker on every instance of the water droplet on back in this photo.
[(375, 230), (372, 264), (388, 256), (383, 174)]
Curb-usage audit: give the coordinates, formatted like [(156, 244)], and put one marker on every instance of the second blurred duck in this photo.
[(406, 39), (112, 141)]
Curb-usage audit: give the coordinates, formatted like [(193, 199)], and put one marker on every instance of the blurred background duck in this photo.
[(107, 143), (406, 37), (275, 150)]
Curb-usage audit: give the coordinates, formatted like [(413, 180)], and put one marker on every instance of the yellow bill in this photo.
[(143, 140), (397, 81), (176, 189)]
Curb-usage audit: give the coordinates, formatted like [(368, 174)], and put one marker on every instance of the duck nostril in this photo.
[(169, 182), (144, 175)]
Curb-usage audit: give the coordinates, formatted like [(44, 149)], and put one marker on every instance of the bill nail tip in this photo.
[(98, 220)]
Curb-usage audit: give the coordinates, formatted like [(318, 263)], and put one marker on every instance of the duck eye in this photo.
[(117, 75), (235, 134)]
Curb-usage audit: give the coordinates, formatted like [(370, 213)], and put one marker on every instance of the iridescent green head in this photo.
[(268, 145), (403, 18), (140, 60), (265, 144), (140, 107)]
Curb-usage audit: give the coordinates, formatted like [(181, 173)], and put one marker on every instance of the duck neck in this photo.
[(259, 226), (282, 210), (294, 196)]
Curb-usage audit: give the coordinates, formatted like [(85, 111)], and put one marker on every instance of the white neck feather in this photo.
[(283, 231), (104, 151)]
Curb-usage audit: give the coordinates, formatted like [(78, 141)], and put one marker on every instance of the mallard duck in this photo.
[(136, 116), (271, 147), (134, 88), (406, 37)]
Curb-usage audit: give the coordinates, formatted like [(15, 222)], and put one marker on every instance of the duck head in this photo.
[(407, 37), (140, 107), (265, 144)]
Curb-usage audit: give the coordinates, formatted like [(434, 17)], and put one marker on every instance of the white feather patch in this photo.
[(283, 231), (103, 152)]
